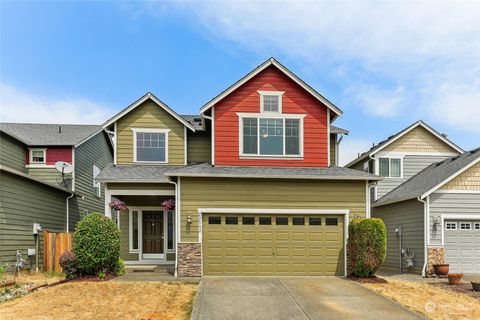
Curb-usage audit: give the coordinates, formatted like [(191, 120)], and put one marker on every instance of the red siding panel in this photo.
[(295, 101), (55, 154)]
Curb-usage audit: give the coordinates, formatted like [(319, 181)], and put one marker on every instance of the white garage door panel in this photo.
[(462, 247)]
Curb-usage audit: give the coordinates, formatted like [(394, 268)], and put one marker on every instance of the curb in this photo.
[(197, 302)]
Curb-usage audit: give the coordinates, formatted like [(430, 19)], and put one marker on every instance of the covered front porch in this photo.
[(148, 226)]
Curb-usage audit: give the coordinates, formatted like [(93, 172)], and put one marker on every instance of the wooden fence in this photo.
[(55, 244)]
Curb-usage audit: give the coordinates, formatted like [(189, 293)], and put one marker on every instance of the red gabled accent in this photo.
[(295, 100), (54, 154)]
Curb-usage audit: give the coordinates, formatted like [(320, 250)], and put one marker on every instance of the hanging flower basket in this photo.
[(118, 205), (168, 204)]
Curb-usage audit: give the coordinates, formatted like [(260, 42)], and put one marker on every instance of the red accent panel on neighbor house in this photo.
[(295, 100), (54, 154)]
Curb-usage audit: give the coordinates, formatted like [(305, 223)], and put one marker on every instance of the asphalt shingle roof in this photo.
[(334, 129), (207, 170), (429, 178), (135, 173), (39, 134)]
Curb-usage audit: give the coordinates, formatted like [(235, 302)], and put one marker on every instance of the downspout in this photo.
[(68, 213), (177, 223), (425, 225)]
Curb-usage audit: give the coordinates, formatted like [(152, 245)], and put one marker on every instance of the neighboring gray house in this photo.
[(437, 213), (403, 155), (33, 191)]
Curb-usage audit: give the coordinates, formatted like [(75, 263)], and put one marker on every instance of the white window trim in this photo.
[(153, 130), (96, 184), (451, 224), (30, 155), (130, 230), (469, 224), (279, 94), (476, 226), (377, 166), (270, 116)]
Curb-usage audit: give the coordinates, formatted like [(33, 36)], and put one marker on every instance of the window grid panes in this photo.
[(250, 135), (465, 226), (477, 226), (281, 221), (248, 220), (450, 226), (390, 167), (271, 103), (298, 221), (38, 156), (271, 136), (292, 136), (264, 221), (151, 146)]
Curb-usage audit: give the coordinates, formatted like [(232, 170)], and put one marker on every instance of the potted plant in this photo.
[(454, 278), (475, 286), (441, 269)]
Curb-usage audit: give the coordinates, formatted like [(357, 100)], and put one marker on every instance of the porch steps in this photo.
[(167, 269)]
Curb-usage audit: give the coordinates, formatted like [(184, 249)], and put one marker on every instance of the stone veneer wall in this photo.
[(189, 260), (436, 255)]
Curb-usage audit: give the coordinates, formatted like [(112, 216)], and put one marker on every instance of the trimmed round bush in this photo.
[(367, 246), (96, 244), (69, 264)]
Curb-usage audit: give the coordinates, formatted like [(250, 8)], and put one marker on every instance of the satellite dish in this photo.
[(64, 167)]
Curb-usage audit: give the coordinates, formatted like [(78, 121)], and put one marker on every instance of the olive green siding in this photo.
[(150, 115), (333, 149), (265, 193), (51, 175), (95, 151), (124, 230), (199, 147), (410, 216), (22, 203), (12, 153)]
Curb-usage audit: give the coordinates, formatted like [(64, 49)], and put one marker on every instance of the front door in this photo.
[(153, 234)]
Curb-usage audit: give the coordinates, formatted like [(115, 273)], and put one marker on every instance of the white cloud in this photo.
[(405, 55), (351, 148), (19, 106)]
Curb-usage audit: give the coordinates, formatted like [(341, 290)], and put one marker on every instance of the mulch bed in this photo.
[(373, 279), (462, 288)]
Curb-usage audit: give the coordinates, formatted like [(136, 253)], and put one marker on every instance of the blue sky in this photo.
[(385, 64)]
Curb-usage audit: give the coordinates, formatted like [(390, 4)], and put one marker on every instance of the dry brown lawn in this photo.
[(104, 300), (433, 301), (35, 278)]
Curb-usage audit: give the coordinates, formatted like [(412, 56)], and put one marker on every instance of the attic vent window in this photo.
[(271, 101)]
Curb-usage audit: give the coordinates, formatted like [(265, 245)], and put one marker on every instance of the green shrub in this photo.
[(120, 270), (69, 264), (367, 246), (96, 244)]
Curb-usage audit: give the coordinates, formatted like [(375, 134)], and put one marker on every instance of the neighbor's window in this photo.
[(38, 155), (150, 145), (134, 230), (390, 167), (96, 184), (271, 136)]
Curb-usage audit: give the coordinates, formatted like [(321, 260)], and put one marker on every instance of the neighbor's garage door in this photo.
[(462, 245), (273, 245)]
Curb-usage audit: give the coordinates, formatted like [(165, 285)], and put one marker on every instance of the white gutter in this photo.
[(68, 213), (425, 222), (177, 223)]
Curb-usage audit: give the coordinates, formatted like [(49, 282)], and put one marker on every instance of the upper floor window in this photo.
[(38, 156), (390, 167), (96, 184), (271, 136), (150, 145), (271, 101)]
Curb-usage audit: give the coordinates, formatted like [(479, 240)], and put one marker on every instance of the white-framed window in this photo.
[(97, 191), (150, 145), (271, 101), (134, 222), (271, 136), (477, 226), (390, 167), (451, 225), (38, 155), (465, 226)]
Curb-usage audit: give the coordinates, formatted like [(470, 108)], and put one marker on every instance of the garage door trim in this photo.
[(456, 217), (344, 212)]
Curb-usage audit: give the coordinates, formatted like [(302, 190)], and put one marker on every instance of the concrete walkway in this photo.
[(292, 298)]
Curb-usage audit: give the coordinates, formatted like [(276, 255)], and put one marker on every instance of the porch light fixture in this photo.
[(189, 219)]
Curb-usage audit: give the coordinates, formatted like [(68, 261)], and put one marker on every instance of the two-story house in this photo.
[(254, 180), (33, 191)]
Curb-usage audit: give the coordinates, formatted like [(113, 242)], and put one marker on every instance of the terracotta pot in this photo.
[(476, 286), (454, 278), (441, 269)]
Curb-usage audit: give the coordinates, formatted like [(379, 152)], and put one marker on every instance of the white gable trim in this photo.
[(142, 100), (451, 177), (287, 72)]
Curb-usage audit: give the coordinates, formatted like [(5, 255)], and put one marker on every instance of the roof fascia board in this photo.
[(142, 100), (309, 177), (287, 72), (452, 176)]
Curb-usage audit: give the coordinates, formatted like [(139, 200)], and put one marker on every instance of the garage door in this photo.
[(462, 245), (273, 244)]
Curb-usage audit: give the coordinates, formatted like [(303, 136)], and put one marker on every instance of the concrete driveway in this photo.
[(292, 298)]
